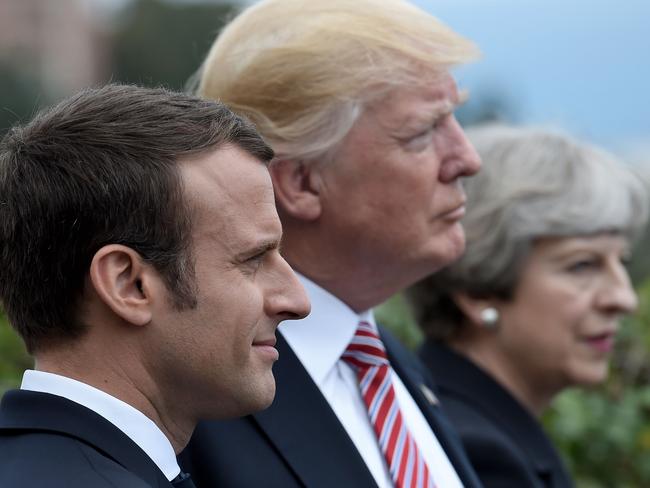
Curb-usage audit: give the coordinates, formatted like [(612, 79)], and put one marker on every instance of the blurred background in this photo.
[(581, 65)]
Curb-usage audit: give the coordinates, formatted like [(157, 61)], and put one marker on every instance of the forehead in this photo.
[(560, 247), (413, 104), (231, 196)]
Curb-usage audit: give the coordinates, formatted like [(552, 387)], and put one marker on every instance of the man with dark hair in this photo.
[(140, 264)]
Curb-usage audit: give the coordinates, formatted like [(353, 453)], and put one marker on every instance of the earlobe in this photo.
[(120, 279), (480, 312), (297, 188)]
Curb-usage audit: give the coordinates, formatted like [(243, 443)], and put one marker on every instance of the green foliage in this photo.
[(605, 438), (604, 433), (639, 265), (13, 357), (20, 96), (396, 315)]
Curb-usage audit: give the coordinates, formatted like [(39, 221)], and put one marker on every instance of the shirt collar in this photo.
[(319, 339), (136, 425)]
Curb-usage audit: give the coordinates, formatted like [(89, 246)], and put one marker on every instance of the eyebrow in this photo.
[(561, 255), (259, 248), (441, 107), (447, 106)]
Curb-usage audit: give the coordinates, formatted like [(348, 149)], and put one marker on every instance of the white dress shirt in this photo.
[(318, 341), (136, 425)]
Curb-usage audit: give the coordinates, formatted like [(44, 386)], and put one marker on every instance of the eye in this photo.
[(420, 137), (581, 266), (257, 258), (254, 262), (420, 141), (424, 138)]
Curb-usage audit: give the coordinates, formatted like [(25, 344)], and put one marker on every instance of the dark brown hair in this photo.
[(101, 168)]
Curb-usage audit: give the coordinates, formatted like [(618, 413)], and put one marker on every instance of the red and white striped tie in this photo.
[(367, 356)]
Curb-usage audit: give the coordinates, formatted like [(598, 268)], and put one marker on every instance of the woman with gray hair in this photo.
[(533, 306)]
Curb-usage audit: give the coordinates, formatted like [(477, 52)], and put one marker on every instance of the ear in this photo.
[(297, 188), (473, 307), (123, 283)]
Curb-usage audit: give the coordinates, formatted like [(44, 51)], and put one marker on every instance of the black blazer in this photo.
[(47, 441), (299, 441), (505, 443)]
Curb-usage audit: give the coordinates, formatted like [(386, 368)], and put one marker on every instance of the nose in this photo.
[(459, 158), (288, 299), (617, 295)]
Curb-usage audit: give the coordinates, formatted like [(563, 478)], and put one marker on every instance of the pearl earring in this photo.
[(490, 317)]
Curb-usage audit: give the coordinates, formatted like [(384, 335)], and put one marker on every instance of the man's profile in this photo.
[(357, 99), (140, 264)]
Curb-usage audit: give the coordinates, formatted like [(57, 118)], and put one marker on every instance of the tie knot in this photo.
[(365, 349)]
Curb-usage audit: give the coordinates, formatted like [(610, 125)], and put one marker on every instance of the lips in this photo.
[(602, 343), (454, 213), (265, 342), (266, 349)]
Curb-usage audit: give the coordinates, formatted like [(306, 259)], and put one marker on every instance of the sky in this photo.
[(583, 65)]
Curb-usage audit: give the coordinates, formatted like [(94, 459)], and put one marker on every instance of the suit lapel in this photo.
[(306, 432), (420, 389), (32, 411)]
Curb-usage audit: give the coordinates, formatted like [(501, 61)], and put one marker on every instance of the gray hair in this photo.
[(534, 183)]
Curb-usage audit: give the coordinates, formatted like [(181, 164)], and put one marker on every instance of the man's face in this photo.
[(219, 354), (392, 196)]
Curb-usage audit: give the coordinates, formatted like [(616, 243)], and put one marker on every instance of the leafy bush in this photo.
[(13, 357)]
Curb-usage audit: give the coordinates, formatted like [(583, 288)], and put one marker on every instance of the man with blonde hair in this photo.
[(356, 99)]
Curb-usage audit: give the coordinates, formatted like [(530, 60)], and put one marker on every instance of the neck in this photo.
[(533, 395), (351, 288), (360, 283), (123, 380)]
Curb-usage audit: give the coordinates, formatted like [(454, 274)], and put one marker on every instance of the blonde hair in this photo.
[(302, 70)]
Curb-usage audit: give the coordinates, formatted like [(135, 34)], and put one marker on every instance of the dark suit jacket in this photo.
[(505, 443), (47, 441), (299, 441)]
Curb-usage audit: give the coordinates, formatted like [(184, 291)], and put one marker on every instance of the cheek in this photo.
[(574, 314), (555, 327), (228, 313), (537, 320), (556, 322), (412, 200), (551, 296), (245, 311), (567, 307)]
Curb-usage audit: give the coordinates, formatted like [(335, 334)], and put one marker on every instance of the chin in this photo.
[(448, 252), (454, 241), (457, 253), (245, 399), (264, 396), (593, 375)]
